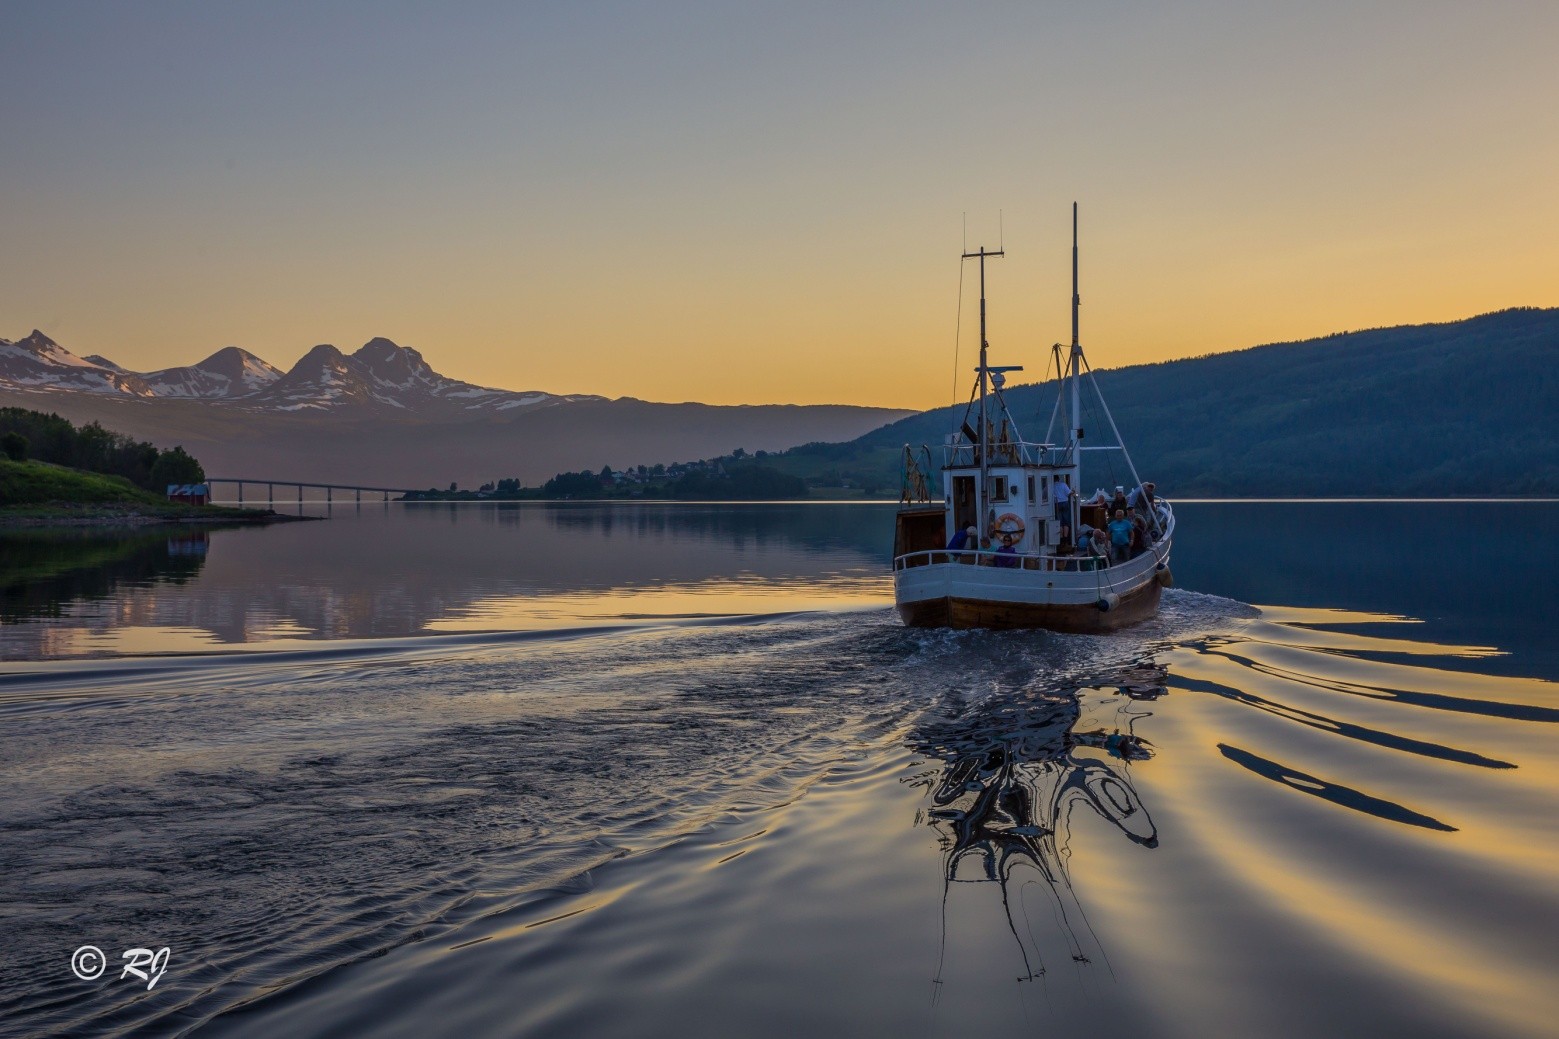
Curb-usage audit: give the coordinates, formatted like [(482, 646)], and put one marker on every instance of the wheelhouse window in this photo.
[(1031, 490), (998, 488)]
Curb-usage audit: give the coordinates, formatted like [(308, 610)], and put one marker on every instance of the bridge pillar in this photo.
[(329, 496), (270, 494), (240, 494), (300, 497), (359, 497)]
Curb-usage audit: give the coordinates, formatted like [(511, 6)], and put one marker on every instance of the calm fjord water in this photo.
[(678, 770)]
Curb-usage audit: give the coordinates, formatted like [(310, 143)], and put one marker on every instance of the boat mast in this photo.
[(1076, 433), (985, 429)]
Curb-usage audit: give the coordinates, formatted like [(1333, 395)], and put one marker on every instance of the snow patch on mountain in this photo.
[(379, 375), (230, 372), (39, 363)]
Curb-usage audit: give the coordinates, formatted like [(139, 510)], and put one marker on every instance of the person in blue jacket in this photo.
[(961, 538), (1120, 537)]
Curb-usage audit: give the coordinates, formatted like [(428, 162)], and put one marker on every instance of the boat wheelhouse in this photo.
[(1025, 566)]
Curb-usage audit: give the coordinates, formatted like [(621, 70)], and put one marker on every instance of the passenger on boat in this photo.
[(1092, 545), (1141, 497), (1063, 495), (985, 546), (1120, 537), (961, 538), (1007, 555), (1118, 503), (1139, 532)]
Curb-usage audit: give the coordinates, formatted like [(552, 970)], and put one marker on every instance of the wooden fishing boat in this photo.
[(1022, 566)]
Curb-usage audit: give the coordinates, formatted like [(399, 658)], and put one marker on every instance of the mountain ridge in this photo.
[(383, 415), (1459, 407), (379, 374)]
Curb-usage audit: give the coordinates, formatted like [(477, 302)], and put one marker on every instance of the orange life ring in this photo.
[(1009, 527)]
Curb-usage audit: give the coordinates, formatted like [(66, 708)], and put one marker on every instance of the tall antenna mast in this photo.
[(1076, 433), (984, 371), (1076, 299)]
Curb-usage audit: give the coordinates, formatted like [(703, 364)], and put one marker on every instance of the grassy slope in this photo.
[(30, 491), (40, 483)]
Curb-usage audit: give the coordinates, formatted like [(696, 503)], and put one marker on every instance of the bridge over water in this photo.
[(270, 486)]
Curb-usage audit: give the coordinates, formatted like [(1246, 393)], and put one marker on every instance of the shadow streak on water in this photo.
[(1417, 698), (1351, 730), (1336, 793)]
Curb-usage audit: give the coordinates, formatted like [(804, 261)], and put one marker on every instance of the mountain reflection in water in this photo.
[(47, 577), (395, 571)]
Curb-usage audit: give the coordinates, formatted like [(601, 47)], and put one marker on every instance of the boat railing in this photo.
[(1011, 560), (1004, 452)]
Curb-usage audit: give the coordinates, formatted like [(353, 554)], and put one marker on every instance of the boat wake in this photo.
[(809, 821)]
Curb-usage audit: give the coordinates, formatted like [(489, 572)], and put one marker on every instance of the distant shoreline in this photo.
[(42, 517)]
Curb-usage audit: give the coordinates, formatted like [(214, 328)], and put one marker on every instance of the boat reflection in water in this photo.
[(1013, 771)]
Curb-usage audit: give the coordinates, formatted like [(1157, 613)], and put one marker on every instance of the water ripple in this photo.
[(819, 822)]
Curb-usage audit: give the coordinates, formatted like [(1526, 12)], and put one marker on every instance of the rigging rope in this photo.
[(1055, 409)]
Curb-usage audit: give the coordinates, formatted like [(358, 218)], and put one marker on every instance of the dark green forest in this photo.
[(36, 436), (1465, 408)]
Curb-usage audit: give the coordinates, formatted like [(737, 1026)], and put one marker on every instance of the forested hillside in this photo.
[(1465, 408)]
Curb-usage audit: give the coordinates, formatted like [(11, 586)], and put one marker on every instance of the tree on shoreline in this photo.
[(50, 438)]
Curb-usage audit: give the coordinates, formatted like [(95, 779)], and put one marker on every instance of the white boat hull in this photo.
[(941, 591)]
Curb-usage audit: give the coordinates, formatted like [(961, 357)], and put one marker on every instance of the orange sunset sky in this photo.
[(750, 203)]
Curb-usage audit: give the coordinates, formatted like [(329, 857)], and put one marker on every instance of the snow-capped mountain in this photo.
[(230, 372), (323, 378), (39, 363), (380, 375), (382, 416)]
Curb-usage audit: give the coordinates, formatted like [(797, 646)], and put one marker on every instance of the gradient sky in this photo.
[(745, 203)]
